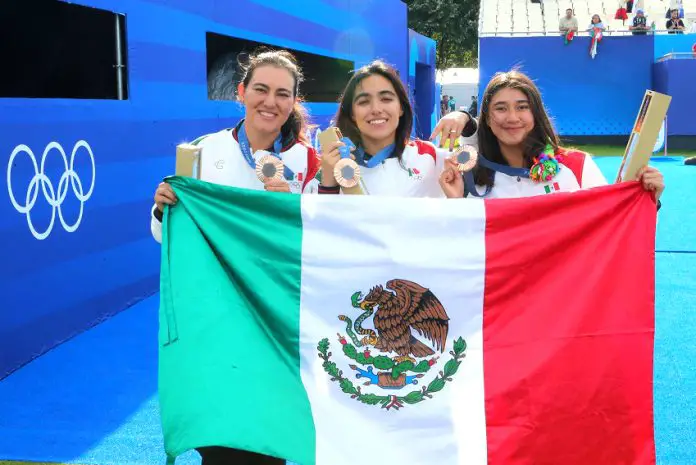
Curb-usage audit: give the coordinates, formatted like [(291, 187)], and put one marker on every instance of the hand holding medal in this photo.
[(461, 163), (346, 171), (466, 158), (269, 167)]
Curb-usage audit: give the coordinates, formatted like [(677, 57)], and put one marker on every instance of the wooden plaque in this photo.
[(188, 161), (644, 135), (329, 136)]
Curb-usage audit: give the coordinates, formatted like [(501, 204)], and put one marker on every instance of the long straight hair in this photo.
[(297, 124), (542, 134), (344, 117)]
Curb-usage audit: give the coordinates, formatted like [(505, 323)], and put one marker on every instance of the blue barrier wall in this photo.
[(56, 286), (673, 43), (676, 78), (585, 96), (421, 80)]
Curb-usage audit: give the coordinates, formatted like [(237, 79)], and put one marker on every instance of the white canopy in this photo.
[(458, 76)]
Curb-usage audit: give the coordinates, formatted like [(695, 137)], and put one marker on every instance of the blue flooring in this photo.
[(676, 228), (93, 400)]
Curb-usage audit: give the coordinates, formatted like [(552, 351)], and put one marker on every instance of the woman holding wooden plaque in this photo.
[(267, 150), (370, 148), (520, 153)]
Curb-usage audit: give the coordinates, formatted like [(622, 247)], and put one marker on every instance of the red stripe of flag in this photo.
[(568, 335)]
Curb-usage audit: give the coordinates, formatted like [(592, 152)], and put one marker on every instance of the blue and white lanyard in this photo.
[(496, 167), (378, 158), (246, 151)]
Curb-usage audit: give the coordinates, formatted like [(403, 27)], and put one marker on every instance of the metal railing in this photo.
[(607, 32), (119, 54), (678, 56), (526, 31)]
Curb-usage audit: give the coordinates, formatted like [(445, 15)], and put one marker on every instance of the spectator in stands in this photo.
[(621, 13), (473, 108), (452, 103), (596, 23), (675, 25), (640, 23), (568, 23)]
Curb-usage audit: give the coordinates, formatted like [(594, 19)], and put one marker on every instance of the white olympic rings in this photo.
[(55, 196)]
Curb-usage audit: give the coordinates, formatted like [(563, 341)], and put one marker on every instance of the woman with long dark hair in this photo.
[(523, 153), (376, 115), (274, 123)]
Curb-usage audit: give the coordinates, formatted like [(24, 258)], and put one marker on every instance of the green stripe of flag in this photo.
[(216, 372)]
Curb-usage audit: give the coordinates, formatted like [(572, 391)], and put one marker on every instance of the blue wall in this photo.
[(585, 96), (676, 78), (421, 81), (56, 287), (673, 43)]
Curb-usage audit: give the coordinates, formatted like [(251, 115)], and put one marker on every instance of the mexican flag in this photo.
[(344, 330), (596, 34), (551, 188)]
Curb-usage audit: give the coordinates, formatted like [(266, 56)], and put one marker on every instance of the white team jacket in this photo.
[(222, 162)]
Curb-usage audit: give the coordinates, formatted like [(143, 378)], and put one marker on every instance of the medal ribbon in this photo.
[(360, 153), (246, 151), (378, 158), (545, 168), (505, 169), (344, 150)]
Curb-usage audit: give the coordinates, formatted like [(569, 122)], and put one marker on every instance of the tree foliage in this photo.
[(453, 24)]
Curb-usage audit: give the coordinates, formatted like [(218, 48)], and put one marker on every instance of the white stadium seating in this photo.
[(523, 17)]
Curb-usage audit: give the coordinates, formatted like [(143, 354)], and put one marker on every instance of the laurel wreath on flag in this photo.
[(413, 397)]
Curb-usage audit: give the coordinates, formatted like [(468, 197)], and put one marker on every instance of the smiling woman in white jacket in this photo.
[(375, 114), (522, 152), (274, 123)]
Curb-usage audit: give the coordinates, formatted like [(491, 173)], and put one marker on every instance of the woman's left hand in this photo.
[(276, 185), (450, 127), (652, 180), (451, 180)]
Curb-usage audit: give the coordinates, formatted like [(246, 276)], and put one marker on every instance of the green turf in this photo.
[(14, 462)]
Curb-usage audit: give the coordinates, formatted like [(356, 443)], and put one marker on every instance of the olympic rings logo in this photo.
[(55, 196)]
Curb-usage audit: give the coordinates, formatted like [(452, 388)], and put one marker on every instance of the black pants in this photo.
[(226, 456)]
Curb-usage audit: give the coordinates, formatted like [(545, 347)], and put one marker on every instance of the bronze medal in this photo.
[(466, 157), (269, 167), (347, 173)]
